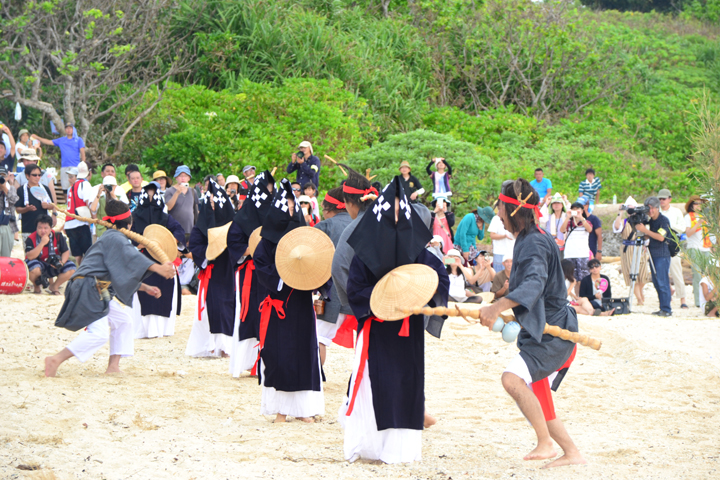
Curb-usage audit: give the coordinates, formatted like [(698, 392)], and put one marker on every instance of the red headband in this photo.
[(521, 204), (340, 205), (122, 216), (357, 191)]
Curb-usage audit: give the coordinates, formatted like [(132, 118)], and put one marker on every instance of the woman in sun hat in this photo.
[(163, 180)]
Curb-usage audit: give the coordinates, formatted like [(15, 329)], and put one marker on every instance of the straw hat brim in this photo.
[(254, 240), (164, 239), (404, 287), (488, 297), (304, 258), (217, 241)]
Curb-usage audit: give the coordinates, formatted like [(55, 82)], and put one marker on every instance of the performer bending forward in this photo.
[(88, 299), (537, 296)]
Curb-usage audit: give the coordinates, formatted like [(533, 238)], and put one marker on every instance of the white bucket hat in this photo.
[(82, 170), (308, 145)]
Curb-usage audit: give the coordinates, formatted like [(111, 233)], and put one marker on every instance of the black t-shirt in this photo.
[(592, 236), (660, 225), (29, 218), (134, 198), (8, 162), (61, 246), (411, 185)]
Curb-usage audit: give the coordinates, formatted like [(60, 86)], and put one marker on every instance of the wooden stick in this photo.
[(151, 245), (508, 317), (336, 163), (522, 202), (272, 173)]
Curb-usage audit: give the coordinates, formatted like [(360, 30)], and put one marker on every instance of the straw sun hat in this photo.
[(407, 286), (163, 238), (254, 239), (217, 241), (304, 258)]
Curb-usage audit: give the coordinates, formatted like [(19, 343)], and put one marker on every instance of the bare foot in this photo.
[(37, 290), (280, 418), (429, 420), (223, 354), (307, 419), (541, 452), (111, 370), (607, 313), (185, 291), (51, 366), (575, 459)]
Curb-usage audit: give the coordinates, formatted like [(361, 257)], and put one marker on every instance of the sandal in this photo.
[(684, 305)]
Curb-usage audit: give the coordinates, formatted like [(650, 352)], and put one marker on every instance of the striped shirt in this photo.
[(590, 189)]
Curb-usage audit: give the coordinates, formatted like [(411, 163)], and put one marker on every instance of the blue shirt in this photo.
[(590, 189), (69, 150), (541, 187)]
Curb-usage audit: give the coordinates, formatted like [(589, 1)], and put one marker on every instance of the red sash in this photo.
[(265, 310), (404, 332), (249, 267), (204, 278), (344, 336), (543, 392)]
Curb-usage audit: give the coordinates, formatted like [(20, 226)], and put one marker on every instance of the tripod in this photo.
[(635, 263)]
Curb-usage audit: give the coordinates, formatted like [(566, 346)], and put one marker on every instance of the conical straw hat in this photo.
[(487, 297), (403, 287), (164, 239), (254, 239), (304, 258), (217, 241)]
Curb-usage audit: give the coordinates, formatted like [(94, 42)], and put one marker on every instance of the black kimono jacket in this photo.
[(220, 301), (396, 364), (290, 353), (537, 283), (333, 228), (237, 244)]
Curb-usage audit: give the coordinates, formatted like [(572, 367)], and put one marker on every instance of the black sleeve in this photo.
[(418, 185), (586, 289), (449, 168), (450, 218), (427, 168), (62, 243), (28, 245)]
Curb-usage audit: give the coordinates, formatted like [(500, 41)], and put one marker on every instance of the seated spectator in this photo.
[(590, 187), (460, 278), (310, 190), (708, 298), (435, 246), (579, 304), (502, 278), (306, 206), (591, 287), (482, 269), (442, 223), (472, 227), (410, 183), (46, 255), (306, 164), (441, 178), (577, 245), (543, 186)]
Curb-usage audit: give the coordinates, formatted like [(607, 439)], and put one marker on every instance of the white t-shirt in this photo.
[(703, 300), (504, 246), (85, 192), (457, 287), (119, 193), (677, 222), (695, 240), (577, 243)]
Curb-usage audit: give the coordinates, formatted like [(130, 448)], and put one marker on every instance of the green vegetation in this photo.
[(497, 87)]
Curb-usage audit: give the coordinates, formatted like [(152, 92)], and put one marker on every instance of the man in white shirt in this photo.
[(503, 242), (677, 223), (80, 196)]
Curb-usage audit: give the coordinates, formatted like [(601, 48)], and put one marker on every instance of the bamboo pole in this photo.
[(508, 317), (151, 245)]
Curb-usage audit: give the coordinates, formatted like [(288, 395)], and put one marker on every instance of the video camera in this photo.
[(637, 215)]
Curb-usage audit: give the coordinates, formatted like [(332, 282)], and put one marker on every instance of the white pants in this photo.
[(677, 276), (119, 320), (326, 331)]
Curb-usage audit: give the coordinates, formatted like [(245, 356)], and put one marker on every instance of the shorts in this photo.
[(580, 268), (49, 271), (708, 308), (80, 239)]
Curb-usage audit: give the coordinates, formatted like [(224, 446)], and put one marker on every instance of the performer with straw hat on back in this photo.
[(98, 292), (385, 414), (537, 296), (291, 261)]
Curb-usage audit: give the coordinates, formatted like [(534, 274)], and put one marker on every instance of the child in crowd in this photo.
[(311, 191)]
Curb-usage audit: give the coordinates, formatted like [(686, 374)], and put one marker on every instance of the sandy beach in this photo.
[(644, 407)]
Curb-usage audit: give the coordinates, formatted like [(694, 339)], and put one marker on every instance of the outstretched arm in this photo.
[(44, 141)]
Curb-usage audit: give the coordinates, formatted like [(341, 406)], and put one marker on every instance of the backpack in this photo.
[(672, 242)]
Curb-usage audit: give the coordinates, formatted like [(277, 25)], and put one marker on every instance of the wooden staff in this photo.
[(151, 245), (553, 330), (272, 173), (336, 163)]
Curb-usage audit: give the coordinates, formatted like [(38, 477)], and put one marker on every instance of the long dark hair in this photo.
[(524, 219), (568, 268)]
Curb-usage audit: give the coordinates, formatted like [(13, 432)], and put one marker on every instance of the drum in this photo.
[(13, 275)]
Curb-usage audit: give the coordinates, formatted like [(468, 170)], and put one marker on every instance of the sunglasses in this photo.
[(304, 203), (594, 266), (36, 174), (296, 189)]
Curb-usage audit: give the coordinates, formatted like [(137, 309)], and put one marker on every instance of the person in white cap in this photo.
[(306, 164), (108, 190), (80, 196), (249, 174)]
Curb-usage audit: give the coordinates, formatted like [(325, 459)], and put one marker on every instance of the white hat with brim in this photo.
[(82, 170), (109, 180), (306, 144), (29, 154), (631, 202), (304, 199), (232, 179), (454, 253)]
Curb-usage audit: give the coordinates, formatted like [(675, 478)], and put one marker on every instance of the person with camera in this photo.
[(625, 229), (658, 231), (235, 192), (306, 207), (46, 255), (108, 190), (306, 164), (79, 196), (31, 205), (8, 197), (577, 240)]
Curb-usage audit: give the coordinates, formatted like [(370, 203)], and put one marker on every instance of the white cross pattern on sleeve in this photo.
[(282, 202), (380, 206), (220, 200), (406, 206), (258, 196)]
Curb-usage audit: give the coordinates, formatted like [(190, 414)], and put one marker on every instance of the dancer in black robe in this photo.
[(157, 315), (384, 415), (248, 292), (290, 362), (537, 296), (212, 330)]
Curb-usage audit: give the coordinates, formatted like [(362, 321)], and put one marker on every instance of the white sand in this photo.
[(645, 406)]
